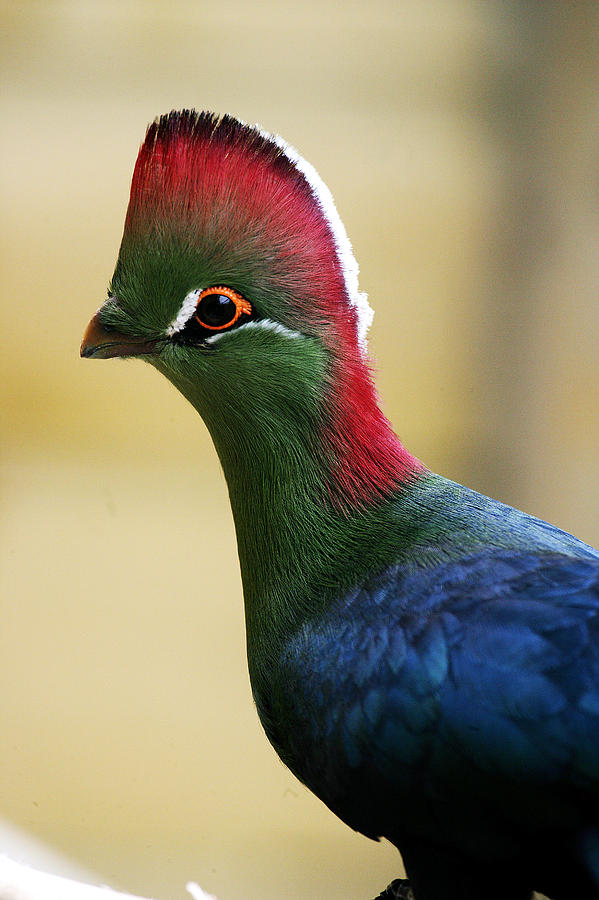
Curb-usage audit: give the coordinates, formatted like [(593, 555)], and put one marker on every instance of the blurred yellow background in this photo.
[(460, 141)]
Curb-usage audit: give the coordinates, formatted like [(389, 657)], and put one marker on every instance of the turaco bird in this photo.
[(423, 658)]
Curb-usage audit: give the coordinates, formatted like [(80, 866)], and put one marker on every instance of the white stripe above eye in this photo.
[(188, 307)]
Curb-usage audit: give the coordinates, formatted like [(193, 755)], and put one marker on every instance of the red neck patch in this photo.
[(255, 207)]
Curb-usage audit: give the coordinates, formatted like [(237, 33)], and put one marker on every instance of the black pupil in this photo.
[(216, 310)]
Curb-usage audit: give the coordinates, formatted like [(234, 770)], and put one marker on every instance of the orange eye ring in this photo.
[(223, 311)]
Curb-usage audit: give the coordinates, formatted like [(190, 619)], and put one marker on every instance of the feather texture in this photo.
[(424, 658)]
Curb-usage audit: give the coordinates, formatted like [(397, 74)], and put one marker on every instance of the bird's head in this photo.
[(236, 279)]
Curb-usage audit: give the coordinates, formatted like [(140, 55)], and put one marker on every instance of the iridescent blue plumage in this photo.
[(424, 658), (453, 706)]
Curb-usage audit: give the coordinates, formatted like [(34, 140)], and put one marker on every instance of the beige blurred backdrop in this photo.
[(461, 143)]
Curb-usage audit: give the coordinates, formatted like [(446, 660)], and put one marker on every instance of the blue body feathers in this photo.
[(454, 703)]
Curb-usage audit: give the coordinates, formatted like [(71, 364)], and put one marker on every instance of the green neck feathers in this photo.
[(297, 548)]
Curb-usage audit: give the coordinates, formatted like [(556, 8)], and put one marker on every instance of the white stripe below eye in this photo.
[(256, 324), (187, 310), (189, 306)]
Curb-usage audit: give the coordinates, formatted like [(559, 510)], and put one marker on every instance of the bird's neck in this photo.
[(298, 549), (312, 475)]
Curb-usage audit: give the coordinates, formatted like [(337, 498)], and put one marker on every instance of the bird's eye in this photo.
[(220, 307)]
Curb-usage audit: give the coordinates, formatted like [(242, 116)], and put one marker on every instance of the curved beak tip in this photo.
[(95, 337), (100, 342)]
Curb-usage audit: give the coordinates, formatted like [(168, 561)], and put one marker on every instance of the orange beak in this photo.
[(100, 342)]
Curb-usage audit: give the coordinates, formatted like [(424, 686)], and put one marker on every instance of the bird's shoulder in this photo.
[(492, 660)]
